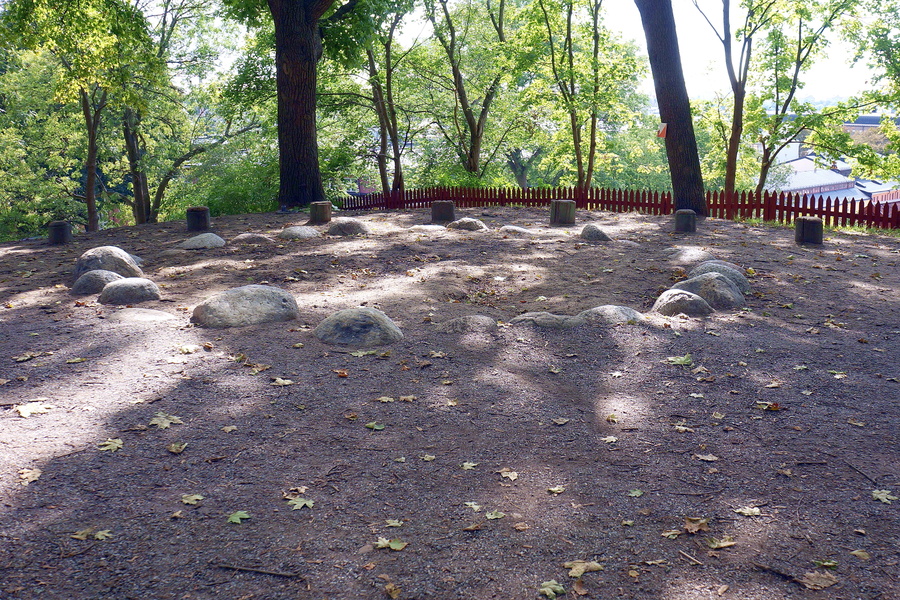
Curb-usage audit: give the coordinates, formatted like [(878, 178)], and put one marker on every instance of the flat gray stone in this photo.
[(593, 233), (93, 282), (246, 305), (612, 314), (549, 320), (734, 275), (514, 230), (715, 288), (347, 226), (203, 241), (140, 315), (358, 327), (253, 238), (299, 232), (689, 255), (468, 224), (107, 258), (130, 290), (674, 302), (467, 323)]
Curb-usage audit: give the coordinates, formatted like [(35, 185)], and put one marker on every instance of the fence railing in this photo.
[(769, 206)]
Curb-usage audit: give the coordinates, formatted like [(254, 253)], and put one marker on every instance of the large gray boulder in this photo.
[(93, 282), (129, 290), (246, 305), (107, 258), (549, 320), (358, 327), (593, 233), (347, 226), (715, 288), (299, 232), (674, 302), (468, 224), (611, 314), (202, 241), (733, 275)]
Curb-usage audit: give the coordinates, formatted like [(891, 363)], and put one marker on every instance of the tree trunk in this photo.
[(140, 208), (91, 111), (674, 105), (734, 141), (298, 47)]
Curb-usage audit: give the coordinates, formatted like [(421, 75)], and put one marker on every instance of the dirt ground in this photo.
[(752, 471)]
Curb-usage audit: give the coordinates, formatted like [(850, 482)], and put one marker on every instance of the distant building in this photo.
[(834, 182)]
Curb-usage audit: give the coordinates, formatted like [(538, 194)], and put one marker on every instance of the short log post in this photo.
[(562, 212), (443, 211), (59, 232), (197, 218), (685, 220), (319, 212), (808, 230)]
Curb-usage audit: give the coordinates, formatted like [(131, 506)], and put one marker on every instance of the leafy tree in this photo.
[(674, 106)]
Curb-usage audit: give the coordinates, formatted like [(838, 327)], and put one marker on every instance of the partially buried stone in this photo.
[(93, 282), (612, 314), (674, 302), (358, 327), (347, 226), (733, 275), (299, 232), (467, 323), (549, 320), (246, 305), (202, 242), (718, 291), (593, 233), (108, 258), (130, 290), (468, 224), (252, 238)]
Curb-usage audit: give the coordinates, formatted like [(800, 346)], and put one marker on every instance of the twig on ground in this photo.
[(256, 570), (849, 464), (693, 560)]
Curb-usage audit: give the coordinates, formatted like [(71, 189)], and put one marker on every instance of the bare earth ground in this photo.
[(593, 413)]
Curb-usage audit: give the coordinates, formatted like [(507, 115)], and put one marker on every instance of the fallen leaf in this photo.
[(521, 526), (578, 588), (716, 544), (176, 447), (279, 382), (718, 416), (392, 590), (473, 505), (684, 361), (826, 564), (861, 554), (104, 534), (412, 398), (111, 444), (616, 374), (560, 420), (682, 428), (551, 589), (163, 420), (394, 544), (508, 473), (297, 345), (35, 407), (393, 523), (75, 361), (238, 517), (359, 353), (428, 457), (696, 524), (774, 384), (817, 580), (374, 426), (229, 428), (384, 399), (341, 372), (884, 496), (188, 348), (671, 533), (635, 493), (191, 499), (577, 568), (27, 476), (555, 370), (856, 423), (612, 418), (748, 511), (82, 534), (610, 439), (434, 354), (298, 503), (494, 514), (468, 466), (706, 457), (556, 490)]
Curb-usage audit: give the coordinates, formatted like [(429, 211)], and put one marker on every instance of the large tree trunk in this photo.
[(674, 105), (140, 208), (91, 110), (298, 47)]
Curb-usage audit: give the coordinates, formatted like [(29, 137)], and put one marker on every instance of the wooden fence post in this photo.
[(562, 212)]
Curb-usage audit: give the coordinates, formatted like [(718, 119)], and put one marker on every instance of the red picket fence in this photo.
[(769, 206)]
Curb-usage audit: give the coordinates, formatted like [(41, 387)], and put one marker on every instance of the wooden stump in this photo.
[(443, 211), (562, 212), (685, 220), (808, 230), (197, 218), (59, 232), (319, 212)]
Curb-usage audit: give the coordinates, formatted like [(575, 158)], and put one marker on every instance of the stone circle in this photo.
[(299, 232), (733, 275), (467, 323), (468, 224), (202, 241), (347, 226), (612, 314), (673, 302), (718, 291), (548, 320)]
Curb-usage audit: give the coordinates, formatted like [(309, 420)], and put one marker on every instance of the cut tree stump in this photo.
[(197, 218), (808, 230), (685, 220), (59, 232), (443, 211), (562, 212), (319, 212)]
